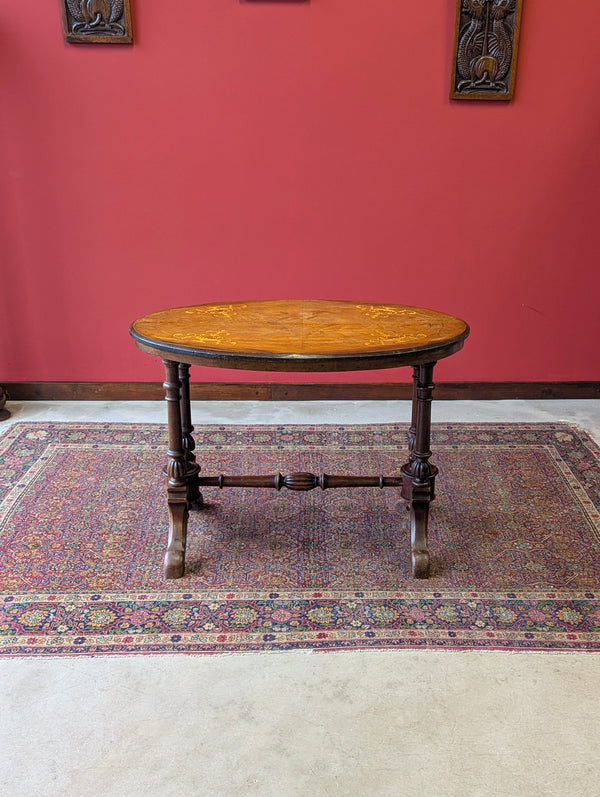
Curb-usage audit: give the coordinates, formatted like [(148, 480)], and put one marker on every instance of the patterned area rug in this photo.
[(514, 536)]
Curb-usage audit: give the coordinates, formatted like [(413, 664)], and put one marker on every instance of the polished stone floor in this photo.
[(299, 723)]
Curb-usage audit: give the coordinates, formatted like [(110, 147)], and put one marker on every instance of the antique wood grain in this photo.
[(300, 335)]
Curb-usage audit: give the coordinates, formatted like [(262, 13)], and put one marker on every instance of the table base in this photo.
[(183, 480)]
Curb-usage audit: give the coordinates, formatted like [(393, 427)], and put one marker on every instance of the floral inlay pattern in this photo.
[(300, 328)]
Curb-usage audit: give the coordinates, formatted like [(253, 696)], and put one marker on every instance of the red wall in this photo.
[(247, 150)]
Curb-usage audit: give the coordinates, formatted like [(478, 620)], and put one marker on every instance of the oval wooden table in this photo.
[(295, 335)]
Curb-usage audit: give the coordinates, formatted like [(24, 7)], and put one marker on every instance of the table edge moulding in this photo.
[(297, 336)]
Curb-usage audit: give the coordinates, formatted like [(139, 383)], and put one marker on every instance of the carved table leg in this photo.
[(176, 477), (412, 432), (418, 473), (193, 469), (4, 413)]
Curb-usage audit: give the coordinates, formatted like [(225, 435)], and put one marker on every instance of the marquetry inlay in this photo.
[(288, 327)]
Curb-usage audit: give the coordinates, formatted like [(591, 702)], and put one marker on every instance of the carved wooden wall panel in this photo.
[(93, 21), (486, 39)]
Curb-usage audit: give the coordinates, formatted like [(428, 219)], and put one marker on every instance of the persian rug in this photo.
[(514, 537)]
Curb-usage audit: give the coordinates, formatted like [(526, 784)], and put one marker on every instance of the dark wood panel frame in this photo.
[(486, 43), (282, 391), (97, 21)]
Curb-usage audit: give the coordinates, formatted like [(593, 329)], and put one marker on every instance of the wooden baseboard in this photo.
[(278, 391)]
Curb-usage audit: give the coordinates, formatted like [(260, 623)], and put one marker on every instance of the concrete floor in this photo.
[(299, 723)]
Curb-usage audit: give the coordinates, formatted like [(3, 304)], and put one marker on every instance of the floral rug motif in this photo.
[(514, 538)]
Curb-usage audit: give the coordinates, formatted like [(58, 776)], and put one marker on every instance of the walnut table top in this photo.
[(300, 335)]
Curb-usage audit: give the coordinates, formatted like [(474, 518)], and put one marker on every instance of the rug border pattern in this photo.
[(84, 624)]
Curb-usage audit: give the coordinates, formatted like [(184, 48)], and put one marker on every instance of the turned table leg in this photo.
[(192, 468), (418, 473), (412, 432), (176, 476)]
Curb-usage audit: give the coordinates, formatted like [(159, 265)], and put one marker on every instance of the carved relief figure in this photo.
[(97, 20), (484, 53), (96, 16)]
